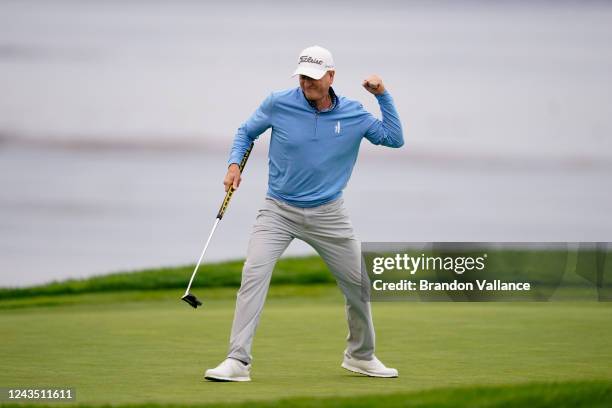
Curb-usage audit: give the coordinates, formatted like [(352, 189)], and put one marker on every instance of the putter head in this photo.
[(192, 300)]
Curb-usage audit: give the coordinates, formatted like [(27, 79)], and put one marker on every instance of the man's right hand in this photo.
[(232, 178)]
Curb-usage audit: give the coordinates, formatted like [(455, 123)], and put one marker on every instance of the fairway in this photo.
[(155, 349)]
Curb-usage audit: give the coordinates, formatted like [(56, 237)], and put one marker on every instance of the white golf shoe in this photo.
[(372, 368), (229, 370)]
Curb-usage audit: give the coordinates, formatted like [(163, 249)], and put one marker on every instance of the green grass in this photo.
[(592, 394), (155, 350), (127, 339), (546, 268), (307, 270)]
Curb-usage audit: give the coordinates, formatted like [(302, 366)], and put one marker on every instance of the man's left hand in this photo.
[(374, 85)]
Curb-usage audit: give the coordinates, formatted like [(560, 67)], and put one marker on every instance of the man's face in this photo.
[(316, 89)]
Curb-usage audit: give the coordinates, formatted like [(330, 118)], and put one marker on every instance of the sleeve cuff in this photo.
[(384, 96), (233, 160)]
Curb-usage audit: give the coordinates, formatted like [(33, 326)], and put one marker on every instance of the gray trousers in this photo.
[(328, 230)]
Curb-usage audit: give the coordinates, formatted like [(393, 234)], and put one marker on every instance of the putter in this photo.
[(189, 297)]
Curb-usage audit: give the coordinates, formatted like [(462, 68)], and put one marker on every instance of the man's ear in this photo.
[(331, 76)]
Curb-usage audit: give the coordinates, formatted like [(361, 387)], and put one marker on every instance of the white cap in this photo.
[(314, 62)]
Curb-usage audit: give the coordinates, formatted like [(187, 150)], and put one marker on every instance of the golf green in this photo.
[(150, 347)]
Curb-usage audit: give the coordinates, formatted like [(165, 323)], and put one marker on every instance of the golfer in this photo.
[(314, 144)]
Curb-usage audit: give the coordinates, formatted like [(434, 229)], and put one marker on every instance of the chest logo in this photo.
[(337, 128)]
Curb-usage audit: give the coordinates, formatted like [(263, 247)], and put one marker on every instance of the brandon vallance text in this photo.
[(425, 285)]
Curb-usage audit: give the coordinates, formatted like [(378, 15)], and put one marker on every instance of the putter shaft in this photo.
[(202, 256), (188, 297)]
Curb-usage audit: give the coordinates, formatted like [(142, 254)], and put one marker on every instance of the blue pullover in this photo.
[(312, 153)]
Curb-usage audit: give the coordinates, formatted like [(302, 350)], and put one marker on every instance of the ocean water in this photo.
[(67, 214), (116, 118)]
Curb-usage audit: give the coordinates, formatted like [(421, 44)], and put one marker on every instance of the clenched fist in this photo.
[(374, 84)]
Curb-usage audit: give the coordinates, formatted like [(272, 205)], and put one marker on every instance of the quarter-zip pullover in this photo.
[(312, 153)]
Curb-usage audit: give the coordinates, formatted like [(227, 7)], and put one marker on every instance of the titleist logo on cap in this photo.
[(306, 58)]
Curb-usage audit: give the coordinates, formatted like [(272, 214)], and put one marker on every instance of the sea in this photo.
[(117, 117)]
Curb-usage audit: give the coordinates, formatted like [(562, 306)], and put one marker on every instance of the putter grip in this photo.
[(228, 195)]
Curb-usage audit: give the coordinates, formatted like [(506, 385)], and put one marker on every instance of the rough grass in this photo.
[(306, 270), (550, 270), (594, 394)]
